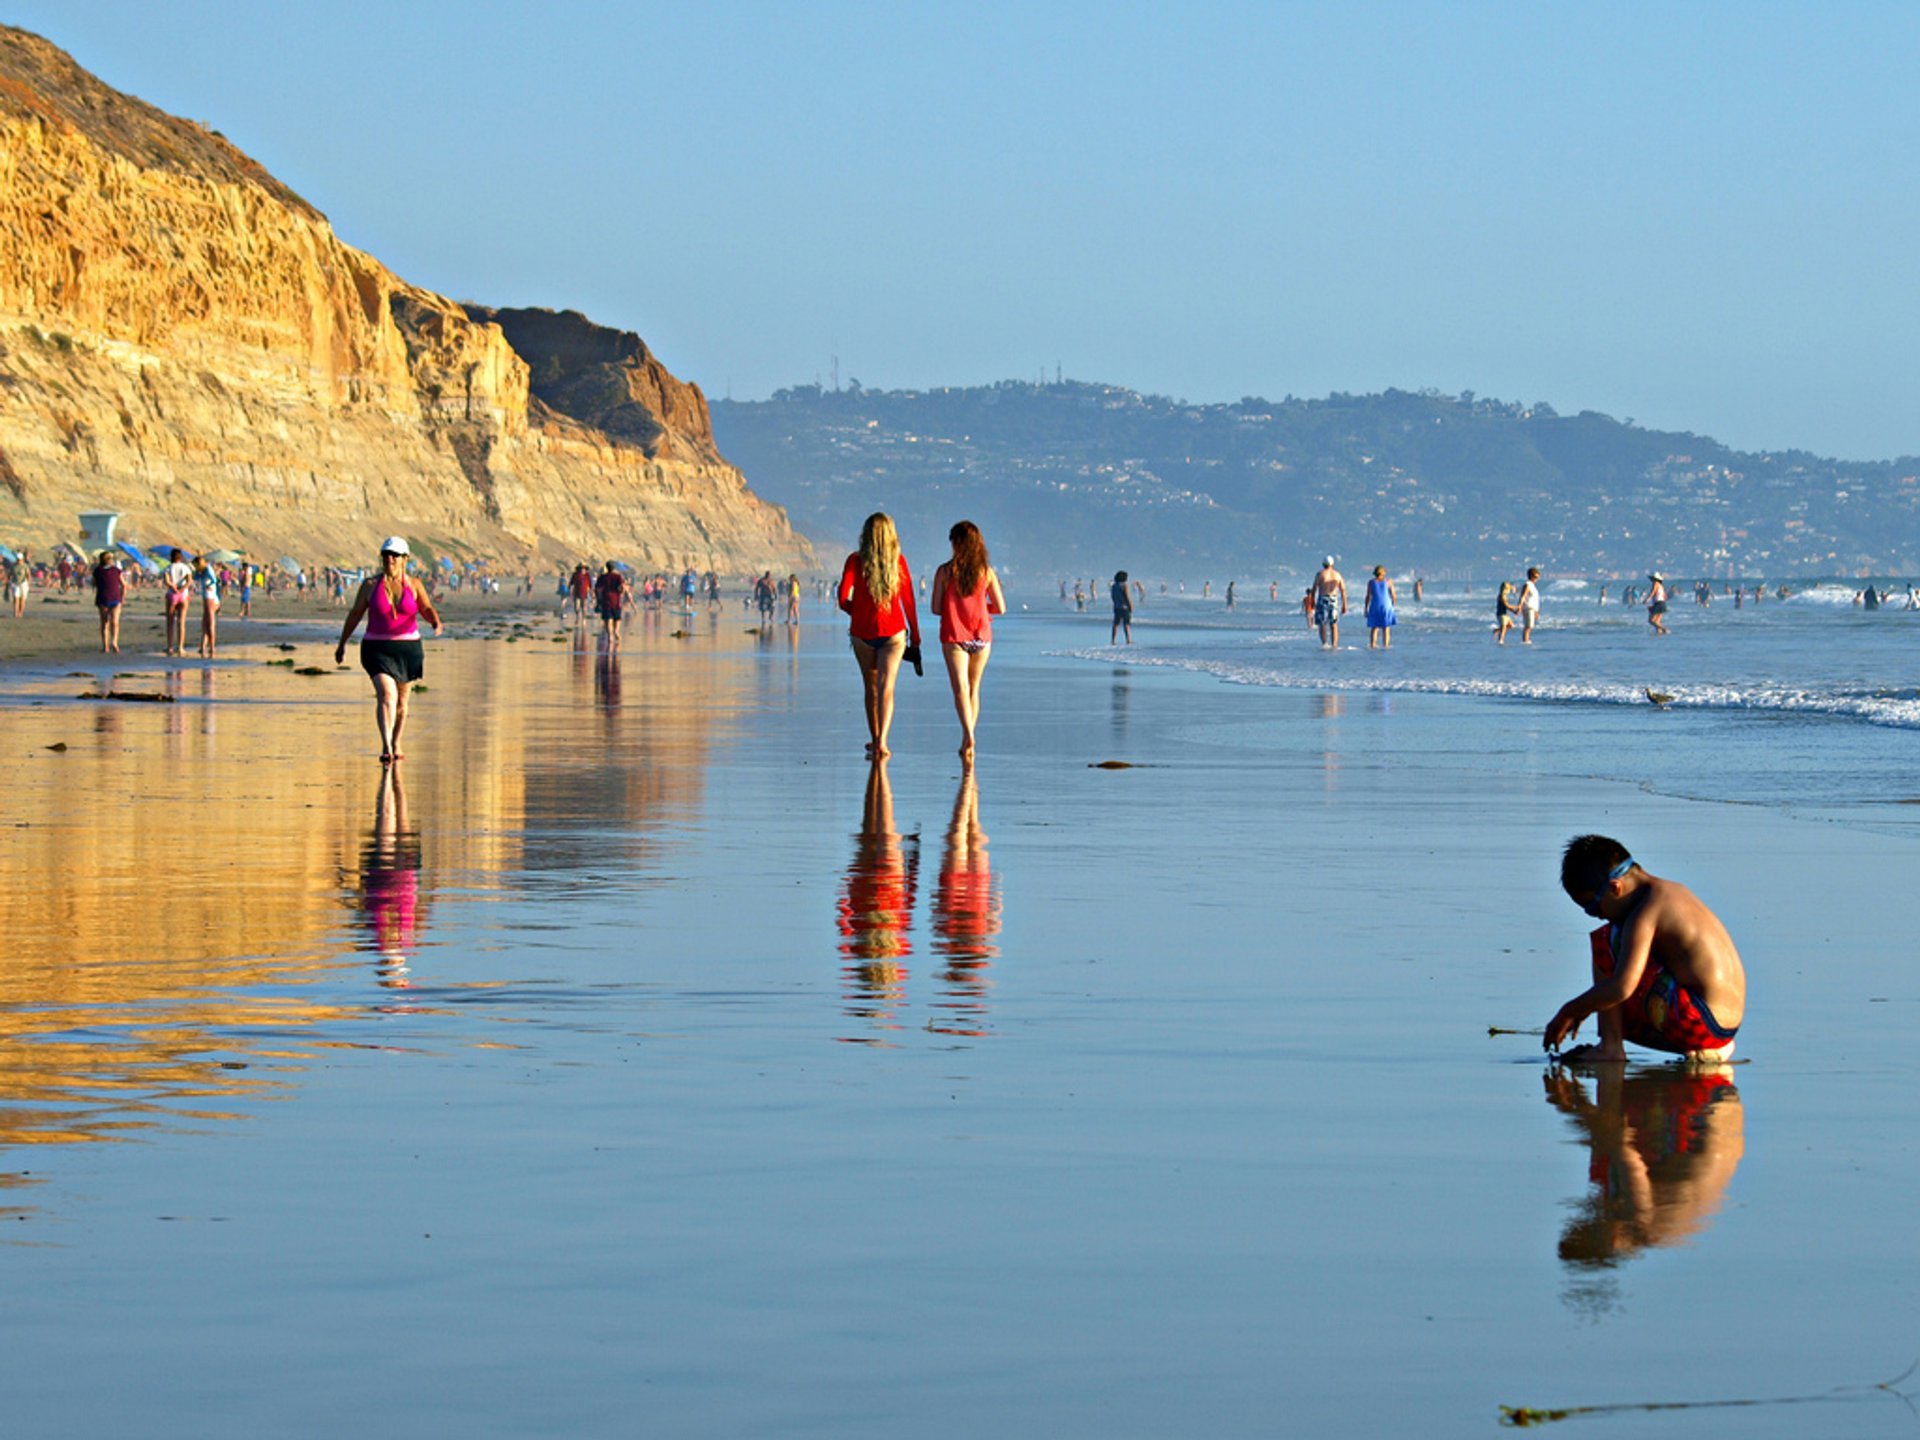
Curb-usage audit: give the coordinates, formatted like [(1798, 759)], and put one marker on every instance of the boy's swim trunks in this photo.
[(1662, 1014)]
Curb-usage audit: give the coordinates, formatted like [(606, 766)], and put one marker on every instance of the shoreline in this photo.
[(67, 627)]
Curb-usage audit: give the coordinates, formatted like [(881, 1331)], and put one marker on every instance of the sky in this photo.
[(1702, 217)]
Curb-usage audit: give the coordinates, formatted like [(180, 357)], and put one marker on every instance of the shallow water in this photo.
[(643, 1061)]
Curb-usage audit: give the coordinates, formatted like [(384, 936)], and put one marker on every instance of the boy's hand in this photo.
[(1560, 1029)]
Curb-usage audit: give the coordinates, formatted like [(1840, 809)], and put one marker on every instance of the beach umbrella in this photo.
[(223, 557), (143, 560), (6, 553), (290, 565), (445, 563)]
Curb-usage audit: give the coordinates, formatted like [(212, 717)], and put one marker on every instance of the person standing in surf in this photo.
[(1329, 588), (1380, 612), (1657, 603), (1530, 605)]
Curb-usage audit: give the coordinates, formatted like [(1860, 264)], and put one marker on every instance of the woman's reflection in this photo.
[(390, 904), (966, 918), (1662, 1146), (876, 910)]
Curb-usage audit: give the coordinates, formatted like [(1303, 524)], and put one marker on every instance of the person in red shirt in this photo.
[(966, 595), (876, 591)]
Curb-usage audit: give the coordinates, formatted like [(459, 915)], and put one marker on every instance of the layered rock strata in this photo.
[(184, 340)]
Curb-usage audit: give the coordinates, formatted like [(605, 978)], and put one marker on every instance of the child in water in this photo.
[(1666, 974)]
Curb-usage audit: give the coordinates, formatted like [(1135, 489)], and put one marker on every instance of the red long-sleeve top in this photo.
[(867, 621)]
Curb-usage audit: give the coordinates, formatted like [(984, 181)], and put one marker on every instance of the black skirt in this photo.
[(404, 660)]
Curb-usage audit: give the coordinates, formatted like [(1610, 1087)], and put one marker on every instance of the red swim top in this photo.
[(387, 621), (868, 621), (963, 618)]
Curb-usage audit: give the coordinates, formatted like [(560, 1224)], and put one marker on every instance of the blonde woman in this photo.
[(394, 604), (876, 591), (966, 595)]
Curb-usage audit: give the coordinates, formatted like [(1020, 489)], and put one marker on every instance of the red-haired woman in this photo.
[(966, 595)]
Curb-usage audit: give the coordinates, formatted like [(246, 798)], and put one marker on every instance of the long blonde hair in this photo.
[(880, 557)]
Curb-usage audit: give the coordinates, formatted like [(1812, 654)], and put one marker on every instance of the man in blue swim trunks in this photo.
[(1329, 591)]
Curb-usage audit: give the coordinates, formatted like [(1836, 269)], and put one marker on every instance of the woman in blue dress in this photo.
[(1380, 603)]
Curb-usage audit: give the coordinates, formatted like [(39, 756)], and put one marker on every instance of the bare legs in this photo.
[(209, 616), (879, 667), (109, 629), (390, 715), (964, 670), (177, 629)]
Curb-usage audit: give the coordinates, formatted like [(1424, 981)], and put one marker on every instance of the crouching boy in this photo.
[(1665, 972)]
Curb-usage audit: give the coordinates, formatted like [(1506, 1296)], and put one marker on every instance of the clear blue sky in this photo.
[(1703, 216)]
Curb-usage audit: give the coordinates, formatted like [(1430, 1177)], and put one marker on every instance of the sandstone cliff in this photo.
[(185, 340)]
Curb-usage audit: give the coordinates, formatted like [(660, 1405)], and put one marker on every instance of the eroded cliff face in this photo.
[(184, 340)]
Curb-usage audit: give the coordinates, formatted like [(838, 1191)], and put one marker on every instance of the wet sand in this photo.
[(646, 1060), (57, 625)]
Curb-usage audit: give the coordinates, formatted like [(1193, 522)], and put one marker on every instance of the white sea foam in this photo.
[(1890, 706)]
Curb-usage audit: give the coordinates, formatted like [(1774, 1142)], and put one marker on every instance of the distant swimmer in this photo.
[(1380, 616), (1666, 974), (1229, 594), (1329, 590), (1419, 589), (966, 597), (1122, 609), (1657, 604), (1529, 605)]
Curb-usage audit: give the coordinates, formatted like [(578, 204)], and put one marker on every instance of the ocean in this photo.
[(639, 1059)]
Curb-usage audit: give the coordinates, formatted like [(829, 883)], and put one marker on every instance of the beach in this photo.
[(636, 1057)]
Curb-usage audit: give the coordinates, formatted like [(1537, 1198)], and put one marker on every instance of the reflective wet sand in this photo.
[(512, 1093)]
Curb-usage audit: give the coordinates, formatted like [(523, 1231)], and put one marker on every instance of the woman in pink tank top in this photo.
[(393, 604), (966, 595)]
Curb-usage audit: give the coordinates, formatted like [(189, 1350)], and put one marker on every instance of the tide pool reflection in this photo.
[(876, 911), (390, 903), (966, 918), (1662, 1149)]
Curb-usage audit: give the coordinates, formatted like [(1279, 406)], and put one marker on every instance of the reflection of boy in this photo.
[(1666, 974), (1663, 1146)]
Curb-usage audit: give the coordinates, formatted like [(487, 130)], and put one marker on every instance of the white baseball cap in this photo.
[(1329, 560), (394, 545)]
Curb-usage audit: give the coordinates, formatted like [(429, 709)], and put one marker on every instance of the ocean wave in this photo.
[(1893, 706)]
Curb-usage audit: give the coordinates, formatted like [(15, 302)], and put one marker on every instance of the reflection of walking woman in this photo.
[(393, 604), (876, 591), (1380, 614), (390, 882), (966, 595)]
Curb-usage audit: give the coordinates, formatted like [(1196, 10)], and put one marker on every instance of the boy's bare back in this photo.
[(1688, 939)]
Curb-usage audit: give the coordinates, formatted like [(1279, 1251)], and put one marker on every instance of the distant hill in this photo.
[(1085, 477)]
